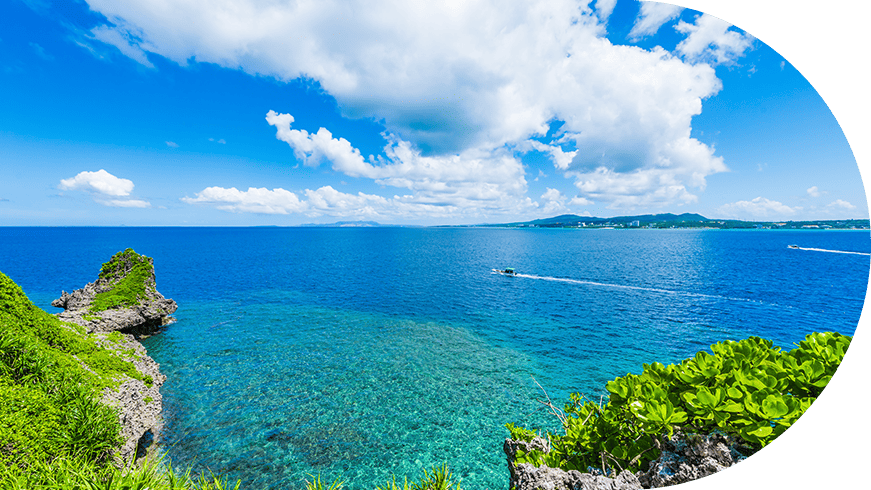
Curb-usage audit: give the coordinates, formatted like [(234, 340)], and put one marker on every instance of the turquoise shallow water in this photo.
[(366, 353), (360, 395)]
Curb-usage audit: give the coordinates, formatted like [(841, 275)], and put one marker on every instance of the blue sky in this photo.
[(130, 112)]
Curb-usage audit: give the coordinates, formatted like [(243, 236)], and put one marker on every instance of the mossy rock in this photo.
[(127, 280)]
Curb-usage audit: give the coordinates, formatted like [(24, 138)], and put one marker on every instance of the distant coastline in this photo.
[(685, 220), (647, 221)]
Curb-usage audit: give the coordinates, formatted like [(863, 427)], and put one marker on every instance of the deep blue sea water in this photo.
[(363, 353)]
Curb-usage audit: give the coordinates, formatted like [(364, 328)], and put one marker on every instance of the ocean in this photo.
[(367, 353)]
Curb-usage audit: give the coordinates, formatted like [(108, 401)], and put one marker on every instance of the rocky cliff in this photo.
[(117, 309), (123, 298)]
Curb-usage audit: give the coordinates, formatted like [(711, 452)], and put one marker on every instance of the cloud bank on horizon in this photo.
[(466, 94)]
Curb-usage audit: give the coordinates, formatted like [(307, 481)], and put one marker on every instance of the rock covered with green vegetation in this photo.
[(680, 422), (74, 405), (123, 298), (122, 304)]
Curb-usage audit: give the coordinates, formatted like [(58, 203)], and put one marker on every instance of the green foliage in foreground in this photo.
[(81, 474), (130, 286), (50, 382), (746, 389), (438, 479)]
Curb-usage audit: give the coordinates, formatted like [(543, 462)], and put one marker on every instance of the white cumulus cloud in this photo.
[(327, 201), (100, 181), (813, 191), (840, 204), (316, 147), (561, 159), (709, 40), (101, 184), (651, 17), (580, 201), (254, 200), (479, 179), (129, 203), (604, 8), (459, 87), (759, 207), (555, 201)]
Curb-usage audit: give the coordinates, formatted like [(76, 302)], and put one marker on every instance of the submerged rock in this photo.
[(123, 298), (121, 306)]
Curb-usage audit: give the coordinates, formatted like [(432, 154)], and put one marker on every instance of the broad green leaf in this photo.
[(761, 432), (731, 406), (678, 417), (735, 393), (708, 399), (774, 407)]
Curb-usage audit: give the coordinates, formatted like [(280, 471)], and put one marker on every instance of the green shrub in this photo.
[(29, 420), (746, 389)]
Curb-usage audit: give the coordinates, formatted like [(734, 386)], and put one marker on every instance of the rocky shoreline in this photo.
[(683, 458), (135, 310)]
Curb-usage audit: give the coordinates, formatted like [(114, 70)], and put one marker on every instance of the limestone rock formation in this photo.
[(683, 458), (121, 306), (124, 298), (139, 404), (687, 457)]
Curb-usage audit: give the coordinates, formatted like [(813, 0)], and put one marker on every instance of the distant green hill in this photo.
[(574, 220), (685, 220)]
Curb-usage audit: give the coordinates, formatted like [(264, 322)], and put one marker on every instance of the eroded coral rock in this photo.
[(139, 404), (687, 457), (684, 457), (123, 298)]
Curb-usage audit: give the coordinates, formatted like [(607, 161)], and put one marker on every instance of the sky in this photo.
[(146, 112)]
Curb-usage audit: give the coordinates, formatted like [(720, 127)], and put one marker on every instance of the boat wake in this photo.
[(636, 288), (832, 251)]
